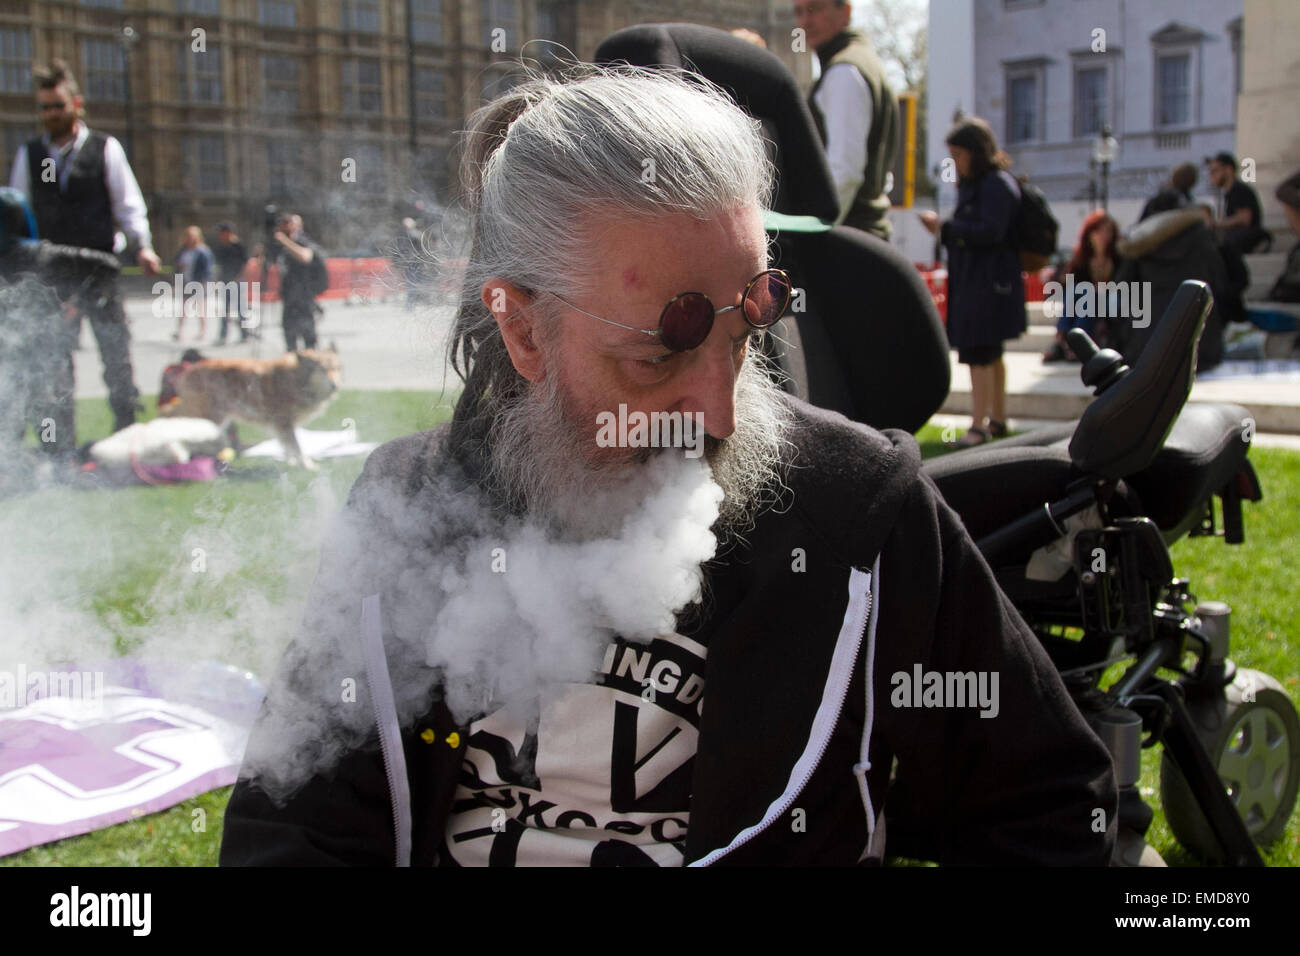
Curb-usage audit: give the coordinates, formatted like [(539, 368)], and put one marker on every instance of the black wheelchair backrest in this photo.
[(759, 83), (864, 338)]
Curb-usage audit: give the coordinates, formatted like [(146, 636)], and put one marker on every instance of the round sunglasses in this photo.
[(687, 319)]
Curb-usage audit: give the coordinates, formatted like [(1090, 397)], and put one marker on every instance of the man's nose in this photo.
[(713, 386)]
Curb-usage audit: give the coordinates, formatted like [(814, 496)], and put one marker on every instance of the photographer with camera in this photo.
[(303, 276)]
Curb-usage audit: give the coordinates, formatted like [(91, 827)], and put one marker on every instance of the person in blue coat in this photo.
[(194, 263), (986, 291)]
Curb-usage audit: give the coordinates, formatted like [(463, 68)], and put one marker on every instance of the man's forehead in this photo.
[(645, 255)]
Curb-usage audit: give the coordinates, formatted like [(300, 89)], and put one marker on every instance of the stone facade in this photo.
[(229, 105), (1268, 129)]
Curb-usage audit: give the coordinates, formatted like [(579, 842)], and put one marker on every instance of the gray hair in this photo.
[(555, 157)]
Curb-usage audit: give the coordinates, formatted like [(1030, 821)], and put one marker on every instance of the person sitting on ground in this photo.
[(576, 647), (1175, 194), (1230, 301), (1287, 286), (1161, 253), (1094, 259), (1239, 229)]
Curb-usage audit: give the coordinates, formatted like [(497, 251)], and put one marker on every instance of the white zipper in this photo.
[(863, 765), (852, 631), (390, 735)]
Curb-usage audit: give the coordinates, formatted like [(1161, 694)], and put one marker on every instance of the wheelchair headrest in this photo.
[(761, 86), (1121, 431)]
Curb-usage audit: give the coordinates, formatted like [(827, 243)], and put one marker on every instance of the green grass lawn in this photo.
[(260, 531), (131, 581)]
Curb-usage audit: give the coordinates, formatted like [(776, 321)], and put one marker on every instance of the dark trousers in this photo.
[(38, 387), (113, 335), (299, 321), (1243, 240), (233, 308), (56, 403)]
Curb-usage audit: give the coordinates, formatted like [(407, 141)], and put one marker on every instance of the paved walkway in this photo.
[(1269, 390), (383, 347)]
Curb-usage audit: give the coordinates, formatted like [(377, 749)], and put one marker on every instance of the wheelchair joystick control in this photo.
[(1102, 368)]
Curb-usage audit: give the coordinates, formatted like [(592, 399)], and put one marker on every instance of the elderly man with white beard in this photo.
[(524, 647)]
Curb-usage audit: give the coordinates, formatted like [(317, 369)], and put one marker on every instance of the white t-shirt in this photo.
[(845, 103), (601, 776)]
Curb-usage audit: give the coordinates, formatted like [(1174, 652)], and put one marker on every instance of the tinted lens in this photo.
[(686, 321), (767, 298)]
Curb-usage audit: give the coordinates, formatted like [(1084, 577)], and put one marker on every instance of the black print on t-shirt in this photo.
[(621, 751)]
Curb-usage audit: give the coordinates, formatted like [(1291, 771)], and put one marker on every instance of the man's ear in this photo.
[(508, 304)]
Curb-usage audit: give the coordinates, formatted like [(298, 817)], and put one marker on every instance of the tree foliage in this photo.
[(899, 30)]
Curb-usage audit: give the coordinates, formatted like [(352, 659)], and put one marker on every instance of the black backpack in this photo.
[(318, 275), (1034, 230)]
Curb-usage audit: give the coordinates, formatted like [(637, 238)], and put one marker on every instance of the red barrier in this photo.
[(369, 279), (936, 281), (1034, 284), (350, 279), (270, 289)]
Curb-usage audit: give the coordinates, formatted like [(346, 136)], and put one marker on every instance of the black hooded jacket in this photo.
[(867, 574)]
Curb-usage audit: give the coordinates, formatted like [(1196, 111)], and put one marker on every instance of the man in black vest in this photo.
[(855, 111), (82, 191)]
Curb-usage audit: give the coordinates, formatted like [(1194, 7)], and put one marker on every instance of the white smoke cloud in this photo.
[(223, 582), (547, 618), (497, 616)]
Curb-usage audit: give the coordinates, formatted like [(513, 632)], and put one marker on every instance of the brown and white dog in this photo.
[(275, 393)]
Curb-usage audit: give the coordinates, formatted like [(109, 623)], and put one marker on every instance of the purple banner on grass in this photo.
[(121, 740)]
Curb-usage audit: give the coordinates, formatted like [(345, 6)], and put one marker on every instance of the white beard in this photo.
[(541, 458)]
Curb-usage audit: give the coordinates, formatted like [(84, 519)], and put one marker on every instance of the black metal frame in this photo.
[(1136, 599)]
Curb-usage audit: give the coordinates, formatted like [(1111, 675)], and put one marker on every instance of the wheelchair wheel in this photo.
[(1252, 735)]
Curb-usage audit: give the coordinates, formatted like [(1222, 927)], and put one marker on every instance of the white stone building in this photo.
[(1048, 74)]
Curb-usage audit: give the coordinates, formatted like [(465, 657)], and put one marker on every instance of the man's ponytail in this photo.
[(486, 132)]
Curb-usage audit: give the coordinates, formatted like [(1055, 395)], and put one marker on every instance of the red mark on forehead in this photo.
[(630, 279)]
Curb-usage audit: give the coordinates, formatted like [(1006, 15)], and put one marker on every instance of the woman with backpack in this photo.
[(986, 292)]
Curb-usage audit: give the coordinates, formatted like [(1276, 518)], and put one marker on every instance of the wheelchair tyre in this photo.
[(1252, 735)]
